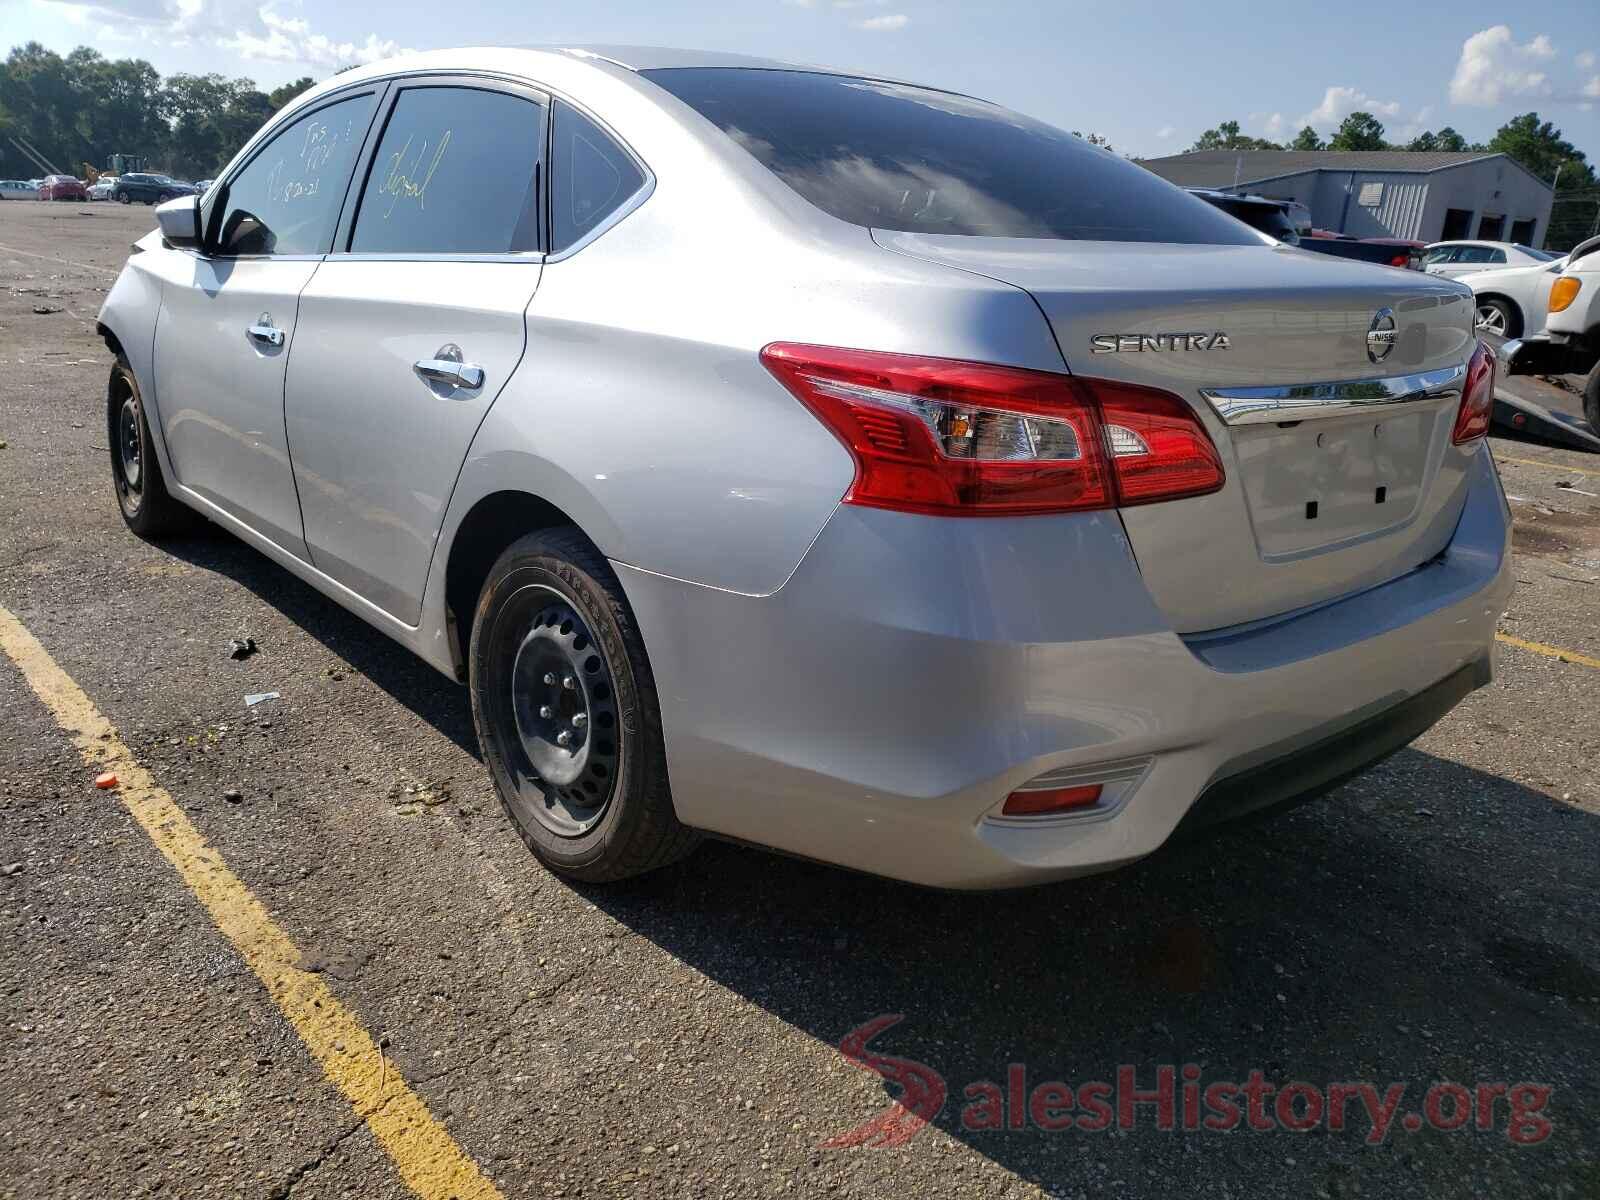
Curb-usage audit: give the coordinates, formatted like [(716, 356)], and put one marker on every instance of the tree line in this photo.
[(78, 110), (1537, 145)]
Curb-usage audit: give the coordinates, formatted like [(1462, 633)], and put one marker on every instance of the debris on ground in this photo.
[(106, 779), (241, 647), (45, 310), (256, 698), (11, 869), (233, 796)]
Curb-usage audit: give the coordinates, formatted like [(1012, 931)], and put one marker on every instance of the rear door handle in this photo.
[(447, 368), (269, 335)]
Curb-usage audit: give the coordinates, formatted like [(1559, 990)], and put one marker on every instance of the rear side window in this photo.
[(457, 172), (890, 156), (592, 177), (286, 200)]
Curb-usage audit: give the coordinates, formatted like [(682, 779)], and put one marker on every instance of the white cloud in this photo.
[(888, 23), (244, 27), (1585, 59), (290, 40), (1339, 102), (1592, 88), (1165, 132), (1493, 67)]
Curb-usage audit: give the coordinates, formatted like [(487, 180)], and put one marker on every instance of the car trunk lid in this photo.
[(1341, 471)]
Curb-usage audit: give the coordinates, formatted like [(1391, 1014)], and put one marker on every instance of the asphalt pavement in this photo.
[(1438, 919)]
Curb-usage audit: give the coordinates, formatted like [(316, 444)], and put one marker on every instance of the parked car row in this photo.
[(145, 187)]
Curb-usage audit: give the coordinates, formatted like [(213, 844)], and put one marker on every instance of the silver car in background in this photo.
[(853, 468)]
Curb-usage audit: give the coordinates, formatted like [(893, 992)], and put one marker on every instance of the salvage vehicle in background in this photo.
[(147, 188), (1512, 301), (1277, 219), (18, 189), (1455, 259), (100, 189), (977, 520), (1570, 341), (62, 187)]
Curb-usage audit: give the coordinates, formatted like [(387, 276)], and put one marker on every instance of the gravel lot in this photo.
[(1438, 919)]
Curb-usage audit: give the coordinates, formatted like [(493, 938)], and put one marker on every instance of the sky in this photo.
[(1149, 77)]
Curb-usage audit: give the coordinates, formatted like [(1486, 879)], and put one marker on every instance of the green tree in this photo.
[(281, 95), (1358, 131), (1308, 139), (1539, 146), (1226, 136), (1449, 140), (1094, 139)]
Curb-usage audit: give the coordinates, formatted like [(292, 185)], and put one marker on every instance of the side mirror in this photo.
[(179, 221)]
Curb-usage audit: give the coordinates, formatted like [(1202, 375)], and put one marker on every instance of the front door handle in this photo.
[(266, 334), (447, 368)]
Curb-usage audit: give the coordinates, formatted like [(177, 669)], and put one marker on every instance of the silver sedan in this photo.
[(850, 467)]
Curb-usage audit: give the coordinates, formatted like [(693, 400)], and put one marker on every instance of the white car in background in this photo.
[(1454, 259), (100, 189), (1512, 301)]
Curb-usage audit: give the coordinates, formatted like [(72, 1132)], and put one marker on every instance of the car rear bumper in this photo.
[(877, 709)]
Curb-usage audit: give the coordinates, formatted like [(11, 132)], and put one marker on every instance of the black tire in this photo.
[(552, 594), (165, 196), (1499, 317), (122, 198), (142, 495), (1591, 399)]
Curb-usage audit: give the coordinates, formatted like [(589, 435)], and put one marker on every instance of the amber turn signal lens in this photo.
[(1563, 292)]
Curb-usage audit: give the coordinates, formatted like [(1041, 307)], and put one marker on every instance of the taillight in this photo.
[(940, 436), (1477, 397), (1400, 260)]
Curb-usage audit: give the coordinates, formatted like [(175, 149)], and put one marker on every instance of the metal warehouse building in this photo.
[(1431, 197)]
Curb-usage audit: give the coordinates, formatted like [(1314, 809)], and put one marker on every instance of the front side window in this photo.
[(890, 156), (592, 177), (456, 172), (286, 200), (1439, 254)]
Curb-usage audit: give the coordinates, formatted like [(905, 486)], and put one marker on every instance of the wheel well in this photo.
[(109, 338), (493, 524), (1503, 298)]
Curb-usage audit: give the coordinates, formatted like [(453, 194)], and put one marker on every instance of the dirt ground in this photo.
[(1436, 919)]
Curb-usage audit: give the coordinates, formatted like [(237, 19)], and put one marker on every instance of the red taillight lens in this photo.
[(1051, 800), (1477, 397), (935, 435), (1400, 260)]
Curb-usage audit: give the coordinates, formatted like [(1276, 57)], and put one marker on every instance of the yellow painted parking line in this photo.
[(1572, 656), (1535, 462), (428, 1158)]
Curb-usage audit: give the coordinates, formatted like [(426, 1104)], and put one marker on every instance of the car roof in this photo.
[(1477, 242)]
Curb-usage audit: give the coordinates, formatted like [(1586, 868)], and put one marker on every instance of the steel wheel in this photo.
[(561, 714), (129, 454)]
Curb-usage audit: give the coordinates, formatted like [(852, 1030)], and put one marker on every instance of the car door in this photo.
[(227, 325), (1468, 259), (412, 326)]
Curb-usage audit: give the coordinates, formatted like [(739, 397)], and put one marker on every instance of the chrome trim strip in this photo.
[(1313, 401)]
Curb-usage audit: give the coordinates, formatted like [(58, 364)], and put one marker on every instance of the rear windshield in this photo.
[(890, 156)]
